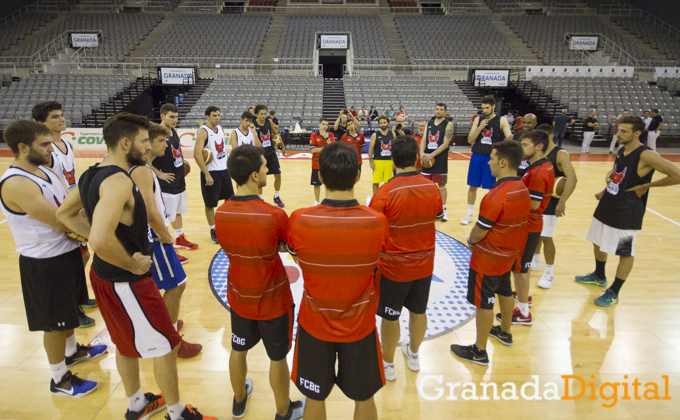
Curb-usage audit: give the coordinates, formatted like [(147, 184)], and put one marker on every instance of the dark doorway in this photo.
[(332, 65)]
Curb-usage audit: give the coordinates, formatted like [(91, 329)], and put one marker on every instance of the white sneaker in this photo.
[(466, 220), (546, 282), (316, 203), (390, 374), (368, 200), (444, 217), (536, 265), (411, 359)]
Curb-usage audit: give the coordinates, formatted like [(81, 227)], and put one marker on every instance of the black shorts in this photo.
[(394, 295), (52, 289), (360, 372), (221, 189), (315, 178), (528, 254), (273, 167), (276, 334), (482, 288)]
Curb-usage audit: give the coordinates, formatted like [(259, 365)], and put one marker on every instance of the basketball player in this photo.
[(411, 204), (215, 179), (529, 122), (380, 159), (539, 179), (422, 126), (169, 169), (354, 139), (251, 232), (266, 134), (438, 136), (618, 216), (486, 131), (167, 269), (50, 263), (132, 308), (317, 141), (243, 133), (63, 164), (496, 241), (561, 162)]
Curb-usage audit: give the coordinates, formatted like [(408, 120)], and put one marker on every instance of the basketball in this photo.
[(558, 187), (428, 164), (207, 156), (187, 168)]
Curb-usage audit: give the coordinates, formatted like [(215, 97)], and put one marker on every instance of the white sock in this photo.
[(58, 371), (276, 194), (444, 207), (261, 197), (179, 232), (537, 258), (471, 209), (175, 325), (410, 352), (549, 270), (71, 345), (138, 401), (212, 227), (175, 411), (523, 308), (385, 364)]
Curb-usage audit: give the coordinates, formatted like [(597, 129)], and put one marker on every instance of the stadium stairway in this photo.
[(470, 92), (191, 96), (653, 52), (271, 40), (61, 18), (524, 52), (145, 46), (333, 99), (395, 46), (123, 101)]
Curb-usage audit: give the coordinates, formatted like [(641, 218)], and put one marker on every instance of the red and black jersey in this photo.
[(316, 140), (539, 179), (418, 139), (355, 142)]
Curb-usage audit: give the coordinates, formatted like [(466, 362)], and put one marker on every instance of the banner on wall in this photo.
[(79, 40), (92, 138), (333, 42), (588, 43), (668, 72), (578, 71)]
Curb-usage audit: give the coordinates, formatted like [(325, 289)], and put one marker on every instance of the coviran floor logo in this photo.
[(609, 392)]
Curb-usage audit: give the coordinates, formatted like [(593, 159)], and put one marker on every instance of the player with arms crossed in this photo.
[(435, 150), (243, 133), (267, 135), (317, 141), (354, 139), (380, 153)]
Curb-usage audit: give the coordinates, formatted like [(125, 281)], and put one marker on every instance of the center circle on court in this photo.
[(447, 307)]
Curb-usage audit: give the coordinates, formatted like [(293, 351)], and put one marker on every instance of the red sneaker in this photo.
[(182, 259), (518, 319), (531, 301), (180, 324), (182, 242), (188, 350)]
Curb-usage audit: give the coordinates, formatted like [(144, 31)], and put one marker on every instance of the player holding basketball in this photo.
[(486, 131), (132, 308), (267, 135), (251, 232), (50, 263), (215, 179), (438, 136), (243, 134), (340, 300), (618, 216), (411, 204), (317, 141), (380, 153), (166, 269)]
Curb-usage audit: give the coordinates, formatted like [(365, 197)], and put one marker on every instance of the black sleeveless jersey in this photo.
[(434, 137), (135, 238), (172, 162), (619, 208), (552, 157), (489, 136), (264, 132), (382, 149)]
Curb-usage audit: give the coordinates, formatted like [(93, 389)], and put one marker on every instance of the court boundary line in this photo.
[(663, 217)]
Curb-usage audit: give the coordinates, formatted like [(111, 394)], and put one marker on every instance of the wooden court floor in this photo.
[(638, 338)]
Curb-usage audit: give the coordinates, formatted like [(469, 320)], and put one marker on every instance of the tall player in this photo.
[(438, 136), (64, 165), (215, 179), (354, 139), (618, 216), (169, 168), (166, 269), (243, 134), (267, 133), (317, 141), (380, 153), (50, 263), (131, 306), (561, 162), (486, 131), (411, 204)]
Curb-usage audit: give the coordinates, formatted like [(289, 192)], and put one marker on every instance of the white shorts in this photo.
[(175, 204), (549, 223), (611, 240)]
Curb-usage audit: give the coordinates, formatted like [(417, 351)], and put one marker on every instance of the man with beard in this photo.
[(129, 301), (529, 122), (380, 153), (435, 148)]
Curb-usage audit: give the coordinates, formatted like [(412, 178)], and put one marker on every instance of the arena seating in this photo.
[(13, 31), (654, 36)]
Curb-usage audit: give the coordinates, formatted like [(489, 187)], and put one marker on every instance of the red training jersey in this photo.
[(504, 212), (539, 179), (249, 231), (315, 140), (418, 139), (411, 203), (338, 245), (355, 142)]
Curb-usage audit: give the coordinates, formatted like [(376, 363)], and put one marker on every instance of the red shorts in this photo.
[(136, 317), (437, 178)]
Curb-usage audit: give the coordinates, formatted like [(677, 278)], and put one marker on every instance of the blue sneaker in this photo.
[(608, 299), (72, 386), (85, 353), (592, 279)]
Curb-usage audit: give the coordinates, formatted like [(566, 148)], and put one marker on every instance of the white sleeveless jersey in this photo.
[(244, 139), (216, 144), (157, 195), (33, 238), (65, 165)]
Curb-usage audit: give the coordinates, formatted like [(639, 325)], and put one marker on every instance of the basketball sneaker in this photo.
[(295, 410), (72, 386), (213, 236), (182, 259), (471, 354), (91, 303), (191, 413), (411, 359), (239, 409), (85, 353), (444, 217), (466, 220), (155, 403), (592, 279), (608, 299), (518, 319), (278, 202), (390, 374), (85, 321), (500, 335), (180, 325), (316, 203), (536, 264), (182, 242), (188, 350), (546, 282), (531, 301)]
